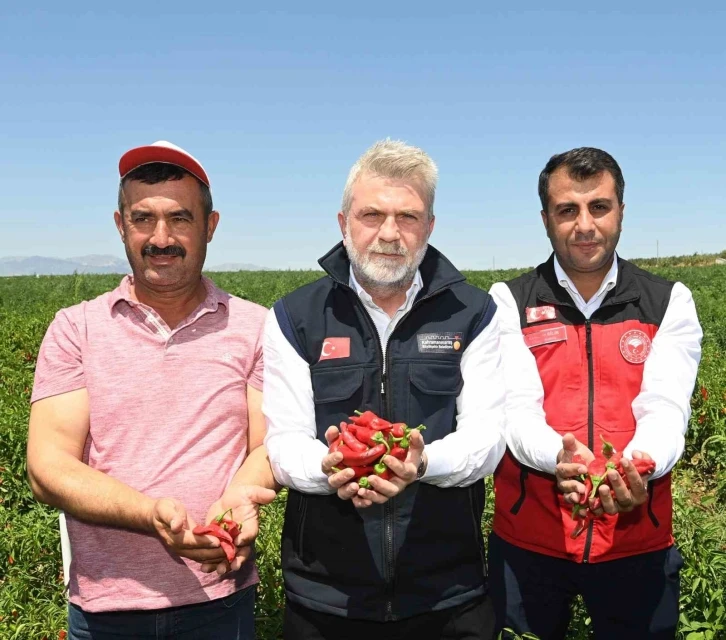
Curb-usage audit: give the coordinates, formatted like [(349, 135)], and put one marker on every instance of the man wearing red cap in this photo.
[(146, 421)]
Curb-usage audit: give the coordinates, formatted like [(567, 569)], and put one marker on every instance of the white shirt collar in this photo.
[(415, 287), (609, 281)]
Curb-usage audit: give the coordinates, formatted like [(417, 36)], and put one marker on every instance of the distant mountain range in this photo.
[(41, 265)]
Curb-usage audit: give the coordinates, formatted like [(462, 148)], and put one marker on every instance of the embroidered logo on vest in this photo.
[(635, 346), (335, 348), (439, 342), (538, 314)]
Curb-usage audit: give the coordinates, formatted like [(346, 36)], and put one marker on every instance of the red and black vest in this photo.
[(591, 371)]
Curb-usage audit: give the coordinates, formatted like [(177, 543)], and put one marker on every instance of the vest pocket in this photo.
[(337, 392), (434, 389), (335, 384)]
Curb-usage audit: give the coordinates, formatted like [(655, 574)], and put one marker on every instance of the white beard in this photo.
[(375, 272)]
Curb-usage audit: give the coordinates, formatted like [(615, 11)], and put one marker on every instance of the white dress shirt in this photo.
[(459, 459), (385, 324), (661, 409), (588, 307)]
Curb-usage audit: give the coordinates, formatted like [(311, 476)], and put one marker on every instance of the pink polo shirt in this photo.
[(168, 416)]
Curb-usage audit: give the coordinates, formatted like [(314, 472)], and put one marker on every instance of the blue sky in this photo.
[(278, 103)]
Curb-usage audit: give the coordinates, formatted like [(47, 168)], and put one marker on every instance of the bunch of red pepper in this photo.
[(597, 475), (365, 440), (225, 530)]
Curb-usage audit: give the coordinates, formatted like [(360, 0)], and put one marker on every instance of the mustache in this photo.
[(171, 250), (389, 250)]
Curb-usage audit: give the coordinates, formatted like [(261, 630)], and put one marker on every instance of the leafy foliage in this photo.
[(32, 602)]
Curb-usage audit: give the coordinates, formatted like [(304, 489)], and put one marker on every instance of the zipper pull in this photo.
[(588, 337), (383, 384)]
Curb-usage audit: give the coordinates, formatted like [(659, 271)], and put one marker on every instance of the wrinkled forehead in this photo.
[(385, 192)]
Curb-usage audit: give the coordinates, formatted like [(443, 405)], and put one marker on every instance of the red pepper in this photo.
[(350, 440), (398, 429), (363, 419), (362, 471), (358, 458), (643, 467), (230, 526), (614, 461), (398, 452), (366, 435), (385, 473), (588, 489), (335, 445), (224, 537), (379, 424)]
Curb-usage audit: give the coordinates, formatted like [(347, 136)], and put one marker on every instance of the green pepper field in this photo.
[(32, 602)]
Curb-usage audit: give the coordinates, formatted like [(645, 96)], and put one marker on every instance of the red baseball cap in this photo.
[(161, 151)]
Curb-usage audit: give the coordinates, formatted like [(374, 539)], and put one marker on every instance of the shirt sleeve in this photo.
[(530, 439), (476, 447), (663, 406), (59, 368), (295, 452), (256, 374)]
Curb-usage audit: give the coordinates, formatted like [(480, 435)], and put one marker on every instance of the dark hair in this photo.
[(581, 164), (156, 172)]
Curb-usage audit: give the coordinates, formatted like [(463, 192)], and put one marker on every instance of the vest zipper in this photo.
[(388, 507), (590, 420)]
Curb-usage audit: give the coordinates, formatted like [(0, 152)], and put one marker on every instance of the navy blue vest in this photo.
[(422, 550)]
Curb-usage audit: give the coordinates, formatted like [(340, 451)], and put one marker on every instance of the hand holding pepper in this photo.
[(341, 480), (572, 461), (240, 504), (403, 472), (170, 522), (628, 492)]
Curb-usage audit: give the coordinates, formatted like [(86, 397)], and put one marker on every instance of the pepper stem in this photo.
[(219, 519), (607, 447)]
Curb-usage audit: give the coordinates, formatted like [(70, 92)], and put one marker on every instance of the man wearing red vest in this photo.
[(593, 348)]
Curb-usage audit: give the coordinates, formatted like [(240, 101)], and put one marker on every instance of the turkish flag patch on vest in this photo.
[(335, 348), (538, 314)]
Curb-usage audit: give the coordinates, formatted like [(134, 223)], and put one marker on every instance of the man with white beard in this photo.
[(392, 328)]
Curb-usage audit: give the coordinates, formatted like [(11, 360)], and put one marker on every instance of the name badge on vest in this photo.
[(438, 342), (335, 348), (538, 314), (553, 333)]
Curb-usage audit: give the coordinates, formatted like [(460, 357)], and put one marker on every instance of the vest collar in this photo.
[(437, 272), (550, 290)]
